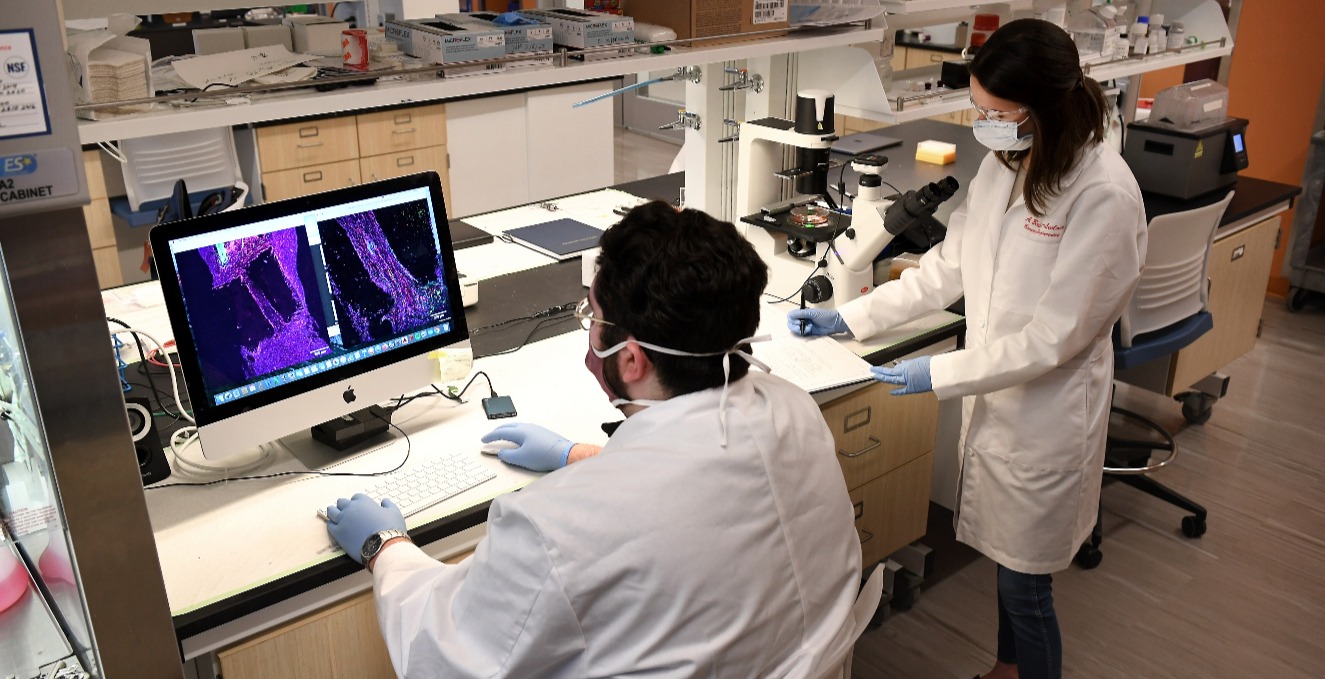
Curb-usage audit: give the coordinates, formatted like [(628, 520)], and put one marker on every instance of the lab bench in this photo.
[(280, 593)]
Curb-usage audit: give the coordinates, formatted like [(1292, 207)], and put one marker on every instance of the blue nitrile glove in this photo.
[(351, 521), (540, 449), (816, 322), (912, 374), (512, 19)]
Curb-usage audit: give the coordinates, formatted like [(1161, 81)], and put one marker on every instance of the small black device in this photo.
[(152, 464), (347, 430), (498, 407)]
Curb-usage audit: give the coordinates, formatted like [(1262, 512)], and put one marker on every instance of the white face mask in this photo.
[(726, 370), (1000, 135)]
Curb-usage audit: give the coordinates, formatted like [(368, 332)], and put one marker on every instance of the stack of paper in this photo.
[(116, 75)]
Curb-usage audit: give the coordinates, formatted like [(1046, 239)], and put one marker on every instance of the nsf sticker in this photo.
[(22, 99)]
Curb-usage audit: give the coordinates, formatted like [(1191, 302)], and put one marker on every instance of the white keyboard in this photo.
[(432, 482)]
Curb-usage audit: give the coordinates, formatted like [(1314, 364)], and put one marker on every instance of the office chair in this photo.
[(1166, 313)]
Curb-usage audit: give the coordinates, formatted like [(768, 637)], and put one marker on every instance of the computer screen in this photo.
[(295, 312)]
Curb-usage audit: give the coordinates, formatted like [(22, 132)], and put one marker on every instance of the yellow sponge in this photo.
[(936, 152)]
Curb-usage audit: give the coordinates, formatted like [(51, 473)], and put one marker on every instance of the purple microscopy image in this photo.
[(385, 272), (253, 306)]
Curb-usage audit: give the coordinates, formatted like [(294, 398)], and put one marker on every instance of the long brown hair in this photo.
[(1035, 63)]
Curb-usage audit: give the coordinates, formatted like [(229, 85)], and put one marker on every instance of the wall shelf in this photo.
[(302, 103)]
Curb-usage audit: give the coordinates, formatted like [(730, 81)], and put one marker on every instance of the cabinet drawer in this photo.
[(401, 129), (315, 142), (305, 180), (100, 229), (916, 58), (892, 510), (404, 162), (876, 432), (96, 181), (1239, 270)]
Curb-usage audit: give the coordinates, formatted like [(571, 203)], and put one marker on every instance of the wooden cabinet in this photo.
[(1239, 267), (885, 445), (100, 229), (332, 153), (340, 642)]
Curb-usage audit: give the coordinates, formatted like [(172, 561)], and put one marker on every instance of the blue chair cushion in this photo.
[(1162, 342)]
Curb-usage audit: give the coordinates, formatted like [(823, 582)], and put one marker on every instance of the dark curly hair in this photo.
[(1036, 64), (681, 280)]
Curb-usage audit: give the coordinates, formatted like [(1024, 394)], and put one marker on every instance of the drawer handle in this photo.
[(866, 535), (305, 132), (403, 119), (409, 131), (308, 146), (314, 176), (405, 161), (859, 507), (874, 443), (862, 417)]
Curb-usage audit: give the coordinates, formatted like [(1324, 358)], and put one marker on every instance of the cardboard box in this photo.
[(578, 28), (534, 41), (707, 18), (217, 40), (445, 42), (268, 34), (313, 34)]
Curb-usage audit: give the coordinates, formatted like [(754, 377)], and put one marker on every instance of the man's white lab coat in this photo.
[(666, 555), (1042, 295)]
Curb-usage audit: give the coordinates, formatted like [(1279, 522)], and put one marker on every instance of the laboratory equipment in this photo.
[(799, 238), (434, 481), (1185, 163), (1190, 105), (296, 312)]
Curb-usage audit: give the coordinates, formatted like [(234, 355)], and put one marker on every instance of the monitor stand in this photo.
[(318, 456)]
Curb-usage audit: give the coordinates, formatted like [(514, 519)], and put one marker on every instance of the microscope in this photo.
[(818, 252)]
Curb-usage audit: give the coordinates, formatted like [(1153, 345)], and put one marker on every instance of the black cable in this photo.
[(525, 341), (409, 447), (142, 368), (402, 401), (546, 313), (778, 300)]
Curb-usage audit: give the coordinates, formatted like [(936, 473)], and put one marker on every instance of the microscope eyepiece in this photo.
[(918, 204)]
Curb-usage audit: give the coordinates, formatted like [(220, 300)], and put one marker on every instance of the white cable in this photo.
[(114, 152), (176, 445), (174, 383)]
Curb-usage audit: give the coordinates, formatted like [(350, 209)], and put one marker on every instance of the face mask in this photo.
[(1000, 135), (593, 360)]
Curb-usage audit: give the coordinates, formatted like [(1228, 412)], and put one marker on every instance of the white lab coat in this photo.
[(1042, 295), (664, 556)]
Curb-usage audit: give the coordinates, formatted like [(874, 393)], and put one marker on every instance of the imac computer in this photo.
[(292, 313)]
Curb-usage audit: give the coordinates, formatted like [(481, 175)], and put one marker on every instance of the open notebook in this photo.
[(813, 364)]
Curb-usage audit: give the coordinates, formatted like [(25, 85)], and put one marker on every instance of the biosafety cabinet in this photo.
[(80, 591)]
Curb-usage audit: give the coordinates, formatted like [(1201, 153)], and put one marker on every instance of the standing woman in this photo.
[(1046, 250)]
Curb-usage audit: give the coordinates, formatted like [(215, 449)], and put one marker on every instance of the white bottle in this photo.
[(1158, 39), (1138, 36)]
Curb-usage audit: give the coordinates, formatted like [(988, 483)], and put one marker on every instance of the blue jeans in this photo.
[(1028, 634)]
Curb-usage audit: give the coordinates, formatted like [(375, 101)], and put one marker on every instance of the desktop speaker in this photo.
[(152, 464)]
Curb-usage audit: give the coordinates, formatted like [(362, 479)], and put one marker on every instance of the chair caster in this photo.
[(1193, 526), (1197, 407), (1089, 556), (1297, 298)]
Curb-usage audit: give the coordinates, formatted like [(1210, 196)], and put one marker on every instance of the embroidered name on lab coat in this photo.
[(1042, 231)]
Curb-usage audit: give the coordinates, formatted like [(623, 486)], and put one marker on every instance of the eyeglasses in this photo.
[(584, 313), (994, 114)]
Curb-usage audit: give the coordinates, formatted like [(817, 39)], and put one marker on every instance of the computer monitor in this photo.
[(296, 312)]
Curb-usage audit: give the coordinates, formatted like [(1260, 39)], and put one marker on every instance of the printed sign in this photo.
[(22, 101)]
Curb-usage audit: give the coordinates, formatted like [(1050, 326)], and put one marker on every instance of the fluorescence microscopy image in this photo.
[(385, 272), (248, 302)]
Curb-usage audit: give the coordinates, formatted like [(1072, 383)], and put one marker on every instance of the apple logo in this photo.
[(348, 395)]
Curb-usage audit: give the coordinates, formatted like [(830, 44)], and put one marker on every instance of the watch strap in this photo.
[(375, 542)]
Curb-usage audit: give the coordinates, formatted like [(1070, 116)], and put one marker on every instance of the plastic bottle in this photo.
[(1092, 29), (1177, 33), (1138, 36)]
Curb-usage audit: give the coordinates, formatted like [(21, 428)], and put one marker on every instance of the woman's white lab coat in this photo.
[(664, 556), (1041, 295)]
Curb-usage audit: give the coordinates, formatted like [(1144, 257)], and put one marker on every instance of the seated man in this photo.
[(711, 537)]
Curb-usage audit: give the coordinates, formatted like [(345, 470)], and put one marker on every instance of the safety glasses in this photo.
[(584, 313), (994, 114)]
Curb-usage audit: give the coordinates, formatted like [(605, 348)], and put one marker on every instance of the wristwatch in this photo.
[(374, 543)]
